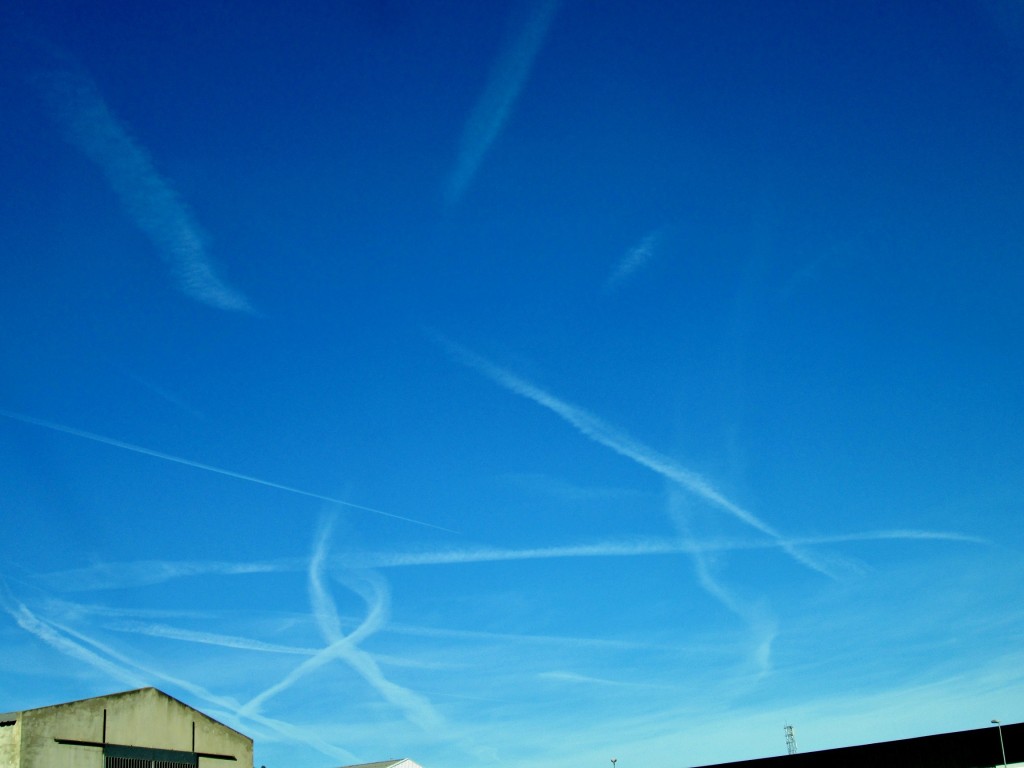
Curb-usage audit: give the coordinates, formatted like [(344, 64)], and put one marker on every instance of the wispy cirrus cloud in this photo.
[(604, 434), (506, 80), (204, 467), (635, 258), (147, 197)]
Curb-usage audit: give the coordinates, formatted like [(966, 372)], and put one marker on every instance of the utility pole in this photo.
[(998, 724)]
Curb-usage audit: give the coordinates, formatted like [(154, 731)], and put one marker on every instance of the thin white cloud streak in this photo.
[(415, 707), (205, 467), (572, 677), (123, 575), (477, 635), (635, 258), (163, 394), (758, 618), (166, 632), (375, 593), (639, 548), (75, 611), (535, 482), (324, 610), (228, 704), (104, 576), (715, 731), (210, 638), (119, 667), (506, 80), (604, 434), (32, 624), (148, 198)]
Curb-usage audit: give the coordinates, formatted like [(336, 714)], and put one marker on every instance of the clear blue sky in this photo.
[(516, 383)]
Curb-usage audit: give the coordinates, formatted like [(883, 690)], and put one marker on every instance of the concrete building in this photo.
[(145, 728)]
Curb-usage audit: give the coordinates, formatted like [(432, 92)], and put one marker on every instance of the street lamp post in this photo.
[(1002, 747)]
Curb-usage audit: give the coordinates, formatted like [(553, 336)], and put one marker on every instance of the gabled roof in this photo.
[(12, 717), (104, 696)]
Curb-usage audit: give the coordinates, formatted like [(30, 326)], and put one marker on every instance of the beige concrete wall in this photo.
[(78, 720), (143, 718), (10, 744)]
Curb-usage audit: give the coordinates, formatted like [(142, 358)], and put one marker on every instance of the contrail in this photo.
[(756, 615), (162, 393), (572, 677), (506, 80), (637, 548), (74, 610), (145, 195), (74, 644), (209, 638), (206, 467), (592, 427), (122, 575), (32, 624), (575, 642), (141, 573), (346, 647), (246, 643), (229, 704), (373, 589), (324, 610)]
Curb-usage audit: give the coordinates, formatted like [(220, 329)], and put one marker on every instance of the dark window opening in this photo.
[(140, 757)]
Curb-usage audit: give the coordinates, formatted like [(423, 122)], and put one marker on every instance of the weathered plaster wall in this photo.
[(10, 741), (39, 728), (144, 718)]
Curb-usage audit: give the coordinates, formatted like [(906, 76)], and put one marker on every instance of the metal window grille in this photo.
[(116, 761)]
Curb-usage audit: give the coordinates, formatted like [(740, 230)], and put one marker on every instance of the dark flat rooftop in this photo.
[(978, 748)]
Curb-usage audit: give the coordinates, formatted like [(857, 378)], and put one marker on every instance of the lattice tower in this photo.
[(790, 740)]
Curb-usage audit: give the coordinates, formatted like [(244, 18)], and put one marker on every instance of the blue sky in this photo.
[(519, 382)]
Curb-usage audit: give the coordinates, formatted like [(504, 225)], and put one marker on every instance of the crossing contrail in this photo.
[(604, 434)]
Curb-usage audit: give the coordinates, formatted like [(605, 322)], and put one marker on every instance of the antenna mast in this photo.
[(791, 747)]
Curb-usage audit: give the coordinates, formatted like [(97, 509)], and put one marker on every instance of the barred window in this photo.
[(139, 757)]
